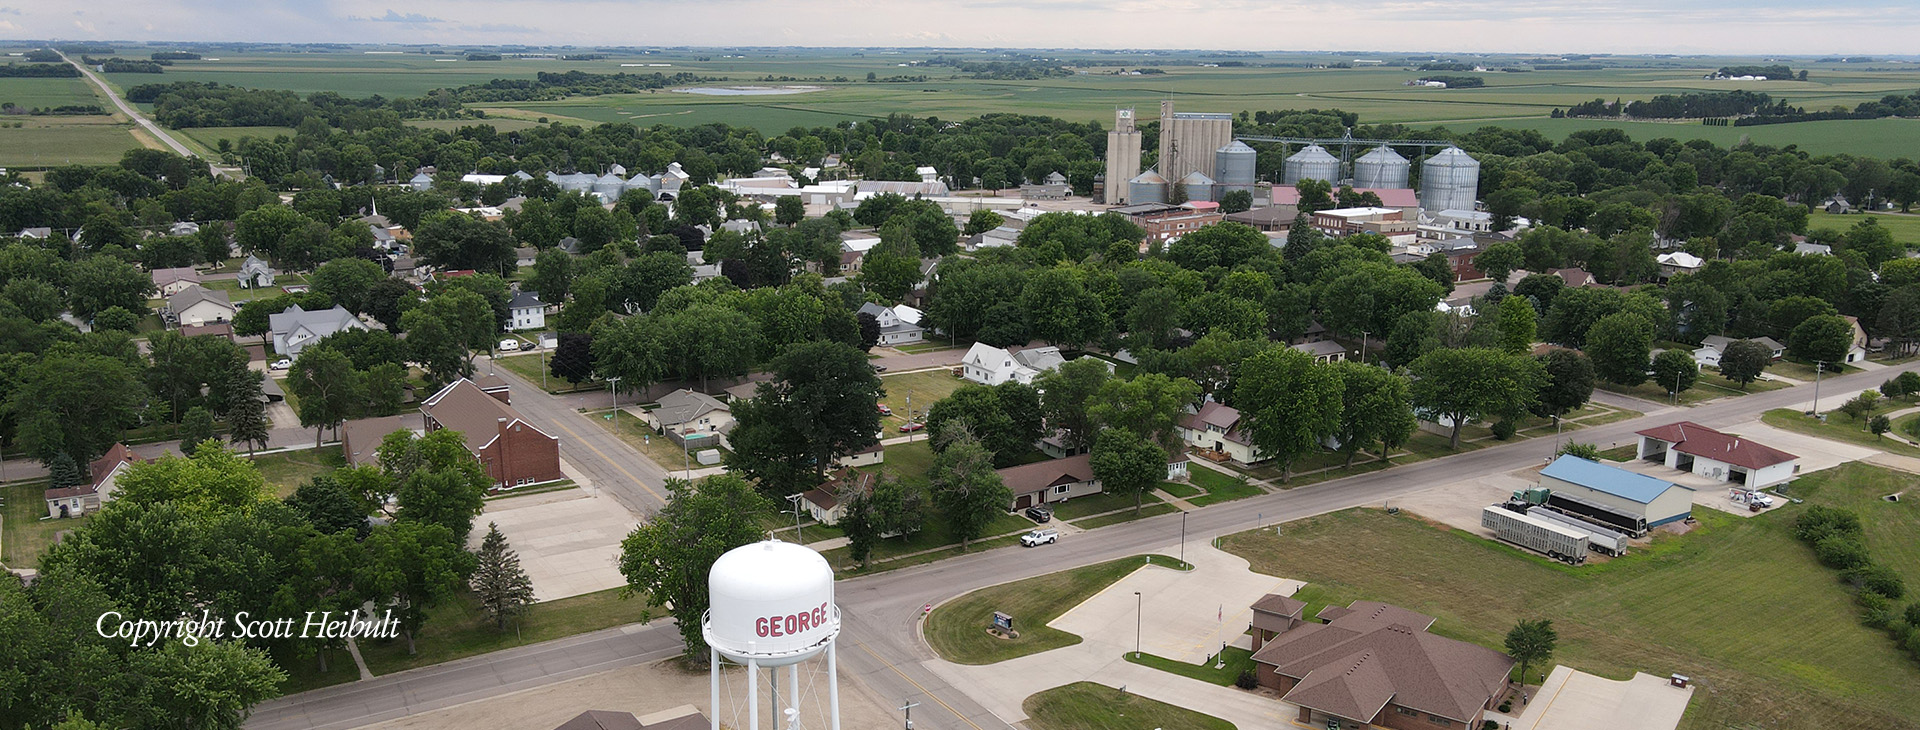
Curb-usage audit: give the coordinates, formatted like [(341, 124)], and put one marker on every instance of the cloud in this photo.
[(393, 17), (88, 27), (10, 11), (499, 28), (8, 25)]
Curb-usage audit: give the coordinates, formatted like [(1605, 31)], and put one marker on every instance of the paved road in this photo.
[(610, 464), (131, 112), (880, 642)]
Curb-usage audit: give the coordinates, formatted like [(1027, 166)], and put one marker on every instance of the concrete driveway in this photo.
[(568, 541), (1575, 700), (1176, 624)]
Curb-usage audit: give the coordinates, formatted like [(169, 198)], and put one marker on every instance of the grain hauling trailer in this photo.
[(1555, 541), (1601, 539)]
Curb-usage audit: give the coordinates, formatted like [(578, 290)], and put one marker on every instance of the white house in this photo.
[(989, 365), (526, 311), (255, 273), (1215, 427), (927, 174), (173, 281), (1689, 446), (875, 454), (296, 328), (1679, 262), (102, 475), (1713, 346), (196, 305), (685, 413), (1001, 237), (893, 329)]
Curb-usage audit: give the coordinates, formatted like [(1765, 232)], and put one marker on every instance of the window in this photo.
[(1405, 711), (1063, 489), (1438, 720)]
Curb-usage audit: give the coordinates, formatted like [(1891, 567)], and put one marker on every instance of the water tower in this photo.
[(772, 608)]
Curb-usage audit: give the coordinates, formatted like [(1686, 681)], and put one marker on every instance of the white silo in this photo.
[(772, 607), (609, 186), (1449, 180), (1312, 162), (1236, 168), (1147, 187), (1381, 168)]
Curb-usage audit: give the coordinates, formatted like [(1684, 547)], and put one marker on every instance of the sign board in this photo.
[(1333, 725), (1003, 621)]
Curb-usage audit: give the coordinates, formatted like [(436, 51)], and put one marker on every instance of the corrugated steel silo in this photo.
[(1235, 165), (1198, 186), (1449, 180), (1147, 187), (1381, 168), (1312, 162)]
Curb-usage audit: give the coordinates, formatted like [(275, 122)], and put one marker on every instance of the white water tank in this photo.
[(772, 604)]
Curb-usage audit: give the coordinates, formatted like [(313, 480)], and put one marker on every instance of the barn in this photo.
[(1629, 502)]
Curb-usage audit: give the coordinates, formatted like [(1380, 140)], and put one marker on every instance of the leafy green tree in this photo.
[(552, 275), (1500, 259), (789, 210), (386, 386), (412, 567), (818, 407), (329, 389), (443, 484), (1289, 404), (1531, 642), (573, 358), (1620, 345), (1568, 385), (98, 283), (328, 506), (247, 421), (212, 481), (1675, 370), (1516, 325), (965, 487), (889, 275), (1575, 311), (997, 416), (195, 428), (261, 230), (667, 558), (1823, 338), (1060, 309), (981, 221), (1413, 335), (1474, 383), (1235, 201), (73, 403), (498, 581), (207, 686), (1148, 405), (1374, 409), (1128, 464), (37, 300), (858, 522), (348, 282), (1066, 393), (454, 241), (1879, 424)]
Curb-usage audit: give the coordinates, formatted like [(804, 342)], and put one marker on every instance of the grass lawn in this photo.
[(917, 390), (931, 346), (1804, 371), (531, 366), (1658, 394), (1238, 660), (1220, 487), (1621, 453), (1090, 706), (287, 470), (458, 628), (55, 141), (1180, 490), (1839, 427), (1890, 526), (1710, 377), (957, 630), (660, 449), (1151, 510), (1662, 609), (25, 533), (1090, 505)]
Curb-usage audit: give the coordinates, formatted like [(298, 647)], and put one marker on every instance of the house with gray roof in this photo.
[(255, 273), (526, 312), (293, 330), (39, 232), (686, 414), (171, 281), (893, 329), (196, 305)]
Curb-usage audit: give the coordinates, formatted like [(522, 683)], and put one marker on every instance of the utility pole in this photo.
[(1136, 624), (1183, 536), (1818, 367), (615, 399), (908, 708)]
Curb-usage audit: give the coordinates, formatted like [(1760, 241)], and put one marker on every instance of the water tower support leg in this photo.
[(833, 686), (713, 678), (753, 695), (793, 695)]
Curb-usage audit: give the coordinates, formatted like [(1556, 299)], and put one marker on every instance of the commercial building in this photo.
[(1273, 615), (1164, 222), (514, 451), (1614, 497), (1389, 222), (1691, 447), (1375, 665), (1053, 480)]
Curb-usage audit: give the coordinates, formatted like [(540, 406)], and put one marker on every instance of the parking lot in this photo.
[(568, 541)]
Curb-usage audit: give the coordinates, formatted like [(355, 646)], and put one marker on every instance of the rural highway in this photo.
[(880, 644), (131, 112)]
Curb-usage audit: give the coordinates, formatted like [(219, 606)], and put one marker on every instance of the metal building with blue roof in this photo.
[(1623, 499)]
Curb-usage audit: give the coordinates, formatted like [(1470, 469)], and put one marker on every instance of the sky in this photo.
[(1735, 27)]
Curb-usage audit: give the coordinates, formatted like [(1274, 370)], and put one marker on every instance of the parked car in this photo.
[(878, 368), (1037, 538), (509, 345), (912, 427), (1040, 514), (884, 410), (283, 364)]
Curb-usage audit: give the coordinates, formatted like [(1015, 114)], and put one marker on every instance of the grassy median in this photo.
[(958, 629), (1090, 706)]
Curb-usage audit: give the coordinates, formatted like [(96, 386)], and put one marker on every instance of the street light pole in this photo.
[(1818, 367), (1136, 624), (1183, 537), (614, 394)]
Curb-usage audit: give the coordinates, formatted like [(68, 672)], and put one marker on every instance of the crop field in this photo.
[(1905, 228), (1662, 609), (48, 141), (32, 93)]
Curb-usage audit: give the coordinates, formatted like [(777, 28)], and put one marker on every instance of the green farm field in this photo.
[(51, 141), (32, 93), (1681, 605), (1905, 228)]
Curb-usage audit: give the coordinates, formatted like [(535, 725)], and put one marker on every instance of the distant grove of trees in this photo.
[(1776, 72), (39, 70), (1753, 108)]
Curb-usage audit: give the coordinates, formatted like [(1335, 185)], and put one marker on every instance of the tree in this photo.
[(818, 407), (1744, 361), (1568, 385), (329, 389), (1148, 406), (1289, 404), (1675, 370), (552, 275), (1061, 310), (789, 210), (1235, 201), (1413, 335), (1127, 464), (1822, 338), (966, 488), (195, 428), (869, 331), (1880, 424), (247, 421), (667, 558), (453, 241), (328, 506), (1531, 642), (1066, 393), (412, 567), (1620, 345), (443, 484), (998, 416), (1374, 409), (213, 481), (62, 472), (1516, 325), (348, 282), (573, 358), (75, 403), (981, 221), (1500, 260), (98, 283), (1474, 383), (502, 586), (37, 300), (889, 275)]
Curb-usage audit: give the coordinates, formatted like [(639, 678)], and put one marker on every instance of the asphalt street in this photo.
[(132, 113)]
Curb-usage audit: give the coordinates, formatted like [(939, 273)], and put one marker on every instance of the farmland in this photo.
[(1662, 609), (47, 141)]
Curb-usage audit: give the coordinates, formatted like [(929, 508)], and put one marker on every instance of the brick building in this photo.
[(1164, 222), (514, 451)]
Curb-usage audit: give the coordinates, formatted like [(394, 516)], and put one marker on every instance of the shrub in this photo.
[(1913, 615), (1589, 452), (1880, 579), (1820, 521), (1246, 680), (1842, 552), (1503, 430), (1489, 725), (1875, 609)]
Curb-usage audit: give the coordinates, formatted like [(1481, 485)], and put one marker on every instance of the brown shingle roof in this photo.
[(464, 407), (364, 435), (1029, 478), (1688, 437), (1279, 605), (1213, 413), (1371, 648)]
